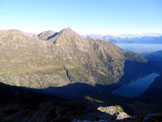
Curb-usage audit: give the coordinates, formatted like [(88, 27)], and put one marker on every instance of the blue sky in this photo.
[(83, 16)]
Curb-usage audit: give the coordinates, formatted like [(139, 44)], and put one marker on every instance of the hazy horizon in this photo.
[(85, 17), (117, 35)]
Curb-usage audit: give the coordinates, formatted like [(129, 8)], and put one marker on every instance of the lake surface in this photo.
[(140, 48), (136, 87)]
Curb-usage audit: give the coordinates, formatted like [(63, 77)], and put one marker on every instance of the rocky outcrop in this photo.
[(116, 111)]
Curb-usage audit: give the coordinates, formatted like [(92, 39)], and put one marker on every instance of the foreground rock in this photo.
[(56, 111), (116, 111)]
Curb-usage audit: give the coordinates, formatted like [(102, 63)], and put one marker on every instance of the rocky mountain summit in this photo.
[(60, 58)]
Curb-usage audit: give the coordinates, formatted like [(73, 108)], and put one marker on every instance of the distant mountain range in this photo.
[(129, 38)]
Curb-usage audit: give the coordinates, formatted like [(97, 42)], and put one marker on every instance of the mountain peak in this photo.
[(48, 31), (45, 35), (67, 31), (14, 34), (11, 31)]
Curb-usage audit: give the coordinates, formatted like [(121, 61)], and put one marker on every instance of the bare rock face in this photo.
[(36, 63), (122, 115), (116, 111)]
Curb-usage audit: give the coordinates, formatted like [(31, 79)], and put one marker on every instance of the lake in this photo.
[(139, 47), (136, 87)]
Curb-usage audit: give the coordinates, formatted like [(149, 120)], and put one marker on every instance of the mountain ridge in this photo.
[(64, 58), (145, 38)]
